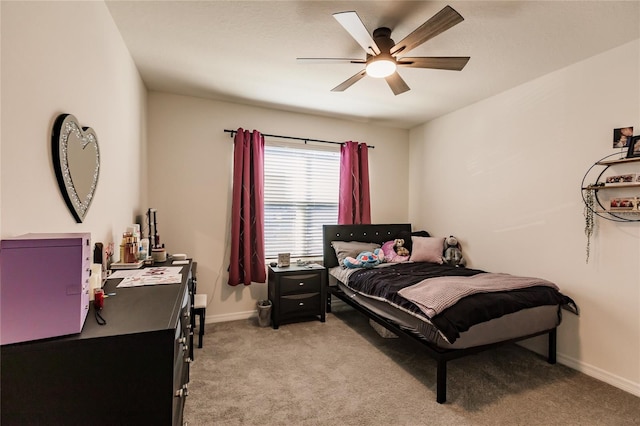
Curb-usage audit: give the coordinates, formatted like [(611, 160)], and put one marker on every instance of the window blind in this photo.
[(300, 195)]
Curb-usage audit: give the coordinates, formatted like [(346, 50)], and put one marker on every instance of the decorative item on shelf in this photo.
[(621, 179), (622, 136), (623, 203), (634, 147)]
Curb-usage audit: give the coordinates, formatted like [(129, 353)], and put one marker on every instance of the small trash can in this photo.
[(264, 313)]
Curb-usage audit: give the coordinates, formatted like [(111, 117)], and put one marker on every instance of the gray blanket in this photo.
[(434, 295)]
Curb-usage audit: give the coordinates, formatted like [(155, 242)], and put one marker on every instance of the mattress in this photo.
[(524, 322)]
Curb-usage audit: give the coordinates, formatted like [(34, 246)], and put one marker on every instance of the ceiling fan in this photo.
[(384, 55)]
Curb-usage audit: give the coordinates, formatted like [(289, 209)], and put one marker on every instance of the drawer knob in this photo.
[(184, 391), (301, 304), (180, 393), (301, 284)]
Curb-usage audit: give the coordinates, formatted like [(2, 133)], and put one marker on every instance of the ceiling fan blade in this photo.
[(331, 60), (397, 84), (439, 23), (354, 26), (349, 82), (453, 63)]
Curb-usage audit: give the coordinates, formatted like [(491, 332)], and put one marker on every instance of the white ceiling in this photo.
[(245, 51)]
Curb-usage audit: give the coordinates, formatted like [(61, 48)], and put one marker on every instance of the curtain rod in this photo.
[(305, 140)]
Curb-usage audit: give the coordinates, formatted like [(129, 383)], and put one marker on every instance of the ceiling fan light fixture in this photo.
[(381, 66)]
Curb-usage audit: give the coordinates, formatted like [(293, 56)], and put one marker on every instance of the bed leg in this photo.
[(328, 302), (441, 382), (553, 339)]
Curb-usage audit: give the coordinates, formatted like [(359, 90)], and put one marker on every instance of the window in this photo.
[(300, 195)]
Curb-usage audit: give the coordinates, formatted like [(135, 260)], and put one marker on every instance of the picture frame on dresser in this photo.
[(634, 147)]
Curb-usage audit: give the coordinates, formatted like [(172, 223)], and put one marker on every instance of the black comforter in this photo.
[(385, 283)]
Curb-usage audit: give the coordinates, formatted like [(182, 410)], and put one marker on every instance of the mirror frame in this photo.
[(64, 126)]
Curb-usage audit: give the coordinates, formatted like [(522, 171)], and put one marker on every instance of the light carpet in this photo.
[(343, 373)]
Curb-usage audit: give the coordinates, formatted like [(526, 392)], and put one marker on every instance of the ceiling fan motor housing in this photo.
[(382, 37)]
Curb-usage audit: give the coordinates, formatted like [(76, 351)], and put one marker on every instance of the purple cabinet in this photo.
[(44, 285)]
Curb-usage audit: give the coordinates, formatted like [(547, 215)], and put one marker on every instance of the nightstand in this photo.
[(297, 293)]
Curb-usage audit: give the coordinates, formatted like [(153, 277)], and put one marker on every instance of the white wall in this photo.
[(190, 170), (68, 57), (504, 176)]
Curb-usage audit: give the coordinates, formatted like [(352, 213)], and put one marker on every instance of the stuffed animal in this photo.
[(400, 249), (453, 252), (366, 259), (390, 255)]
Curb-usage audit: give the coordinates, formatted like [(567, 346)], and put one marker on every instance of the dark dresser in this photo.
[(297, 293), (132, 371)]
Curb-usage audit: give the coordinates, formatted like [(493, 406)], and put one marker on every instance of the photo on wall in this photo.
[(622, 137), (634, 147)]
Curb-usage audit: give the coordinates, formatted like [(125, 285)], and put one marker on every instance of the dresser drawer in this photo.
[(300, 305), (300, 283)]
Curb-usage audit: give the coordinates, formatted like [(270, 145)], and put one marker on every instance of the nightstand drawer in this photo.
[(300, 283), (300, 305)]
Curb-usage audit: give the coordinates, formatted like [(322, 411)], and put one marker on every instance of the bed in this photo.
[(433, 303)]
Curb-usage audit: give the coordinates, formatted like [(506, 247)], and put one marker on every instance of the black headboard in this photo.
[(364, 233)]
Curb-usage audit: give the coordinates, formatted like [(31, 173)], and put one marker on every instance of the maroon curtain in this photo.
[(247, 262), (354, 206)]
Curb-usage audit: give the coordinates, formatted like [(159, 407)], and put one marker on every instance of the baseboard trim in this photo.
[(600, 374), (210, 319)]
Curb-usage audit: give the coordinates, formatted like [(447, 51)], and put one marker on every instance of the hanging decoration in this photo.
[(590, 217)]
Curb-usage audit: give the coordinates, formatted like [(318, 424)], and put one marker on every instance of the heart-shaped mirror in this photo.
[(76, 160)]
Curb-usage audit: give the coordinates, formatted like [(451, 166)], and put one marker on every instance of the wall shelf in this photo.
[(604, 162), (599, 188), (613, 186)]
